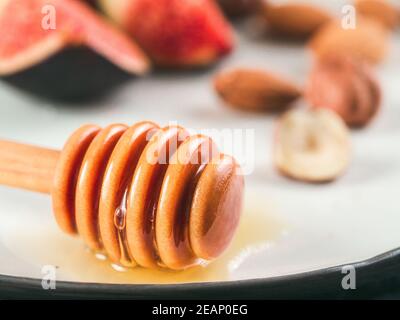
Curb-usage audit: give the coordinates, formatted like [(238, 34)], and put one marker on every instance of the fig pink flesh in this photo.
[(31, 36)]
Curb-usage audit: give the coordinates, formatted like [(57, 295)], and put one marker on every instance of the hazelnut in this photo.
[(312, 145), (346, 86)]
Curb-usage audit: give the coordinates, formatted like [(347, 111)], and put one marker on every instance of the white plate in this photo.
[(288, 227)]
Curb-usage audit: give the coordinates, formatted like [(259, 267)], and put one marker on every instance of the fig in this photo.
[(74, 75), (30, 38), (312, 145), (177, 33), (35, 32)]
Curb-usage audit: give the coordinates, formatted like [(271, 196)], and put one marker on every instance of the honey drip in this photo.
[(120, 223), (44, 244)]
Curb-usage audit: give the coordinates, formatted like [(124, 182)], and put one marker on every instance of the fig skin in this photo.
[(74, 75), (347, 86), (27, 40)]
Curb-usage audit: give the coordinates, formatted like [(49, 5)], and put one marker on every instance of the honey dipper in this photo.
[(143, 195)]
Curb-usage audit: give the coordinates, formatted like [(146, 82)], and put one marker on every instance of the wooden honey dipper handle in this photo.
[(27, 167)]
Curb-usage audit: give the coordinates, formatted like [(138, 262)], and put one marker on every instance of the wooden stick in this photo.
[(27, 167)]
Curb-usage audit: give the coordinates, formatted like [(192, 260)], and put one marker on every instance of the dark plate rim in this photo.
[(372, 276)]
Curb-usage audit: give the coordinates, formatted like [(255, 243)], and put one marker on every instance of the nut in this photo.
[(369, 40), (381, 10), (255, 90), (312, 145), (346, 86), (295, 19)]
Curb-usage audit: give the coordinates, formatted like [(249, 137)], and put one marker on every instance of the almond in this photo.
[(255, 90), (368, 40), (295, 19), (312, 145), (346, 86), (381, 10)]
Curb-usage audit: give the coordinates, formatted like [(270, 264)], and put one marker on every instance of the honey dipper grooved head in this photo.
[(216, 207), (148, 196), (120, 168), (66, 175)]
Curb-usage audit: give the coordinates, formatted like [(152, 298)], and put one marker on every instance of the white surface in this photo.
[(319, 225)]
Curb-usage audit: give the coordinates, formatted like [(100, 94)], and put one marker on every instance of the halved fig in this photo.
[(312, 145), (62, 50), (33, 31)]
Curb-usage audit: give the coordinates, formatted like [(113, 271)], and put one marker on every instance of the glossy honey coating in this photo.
[(148, 196)]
